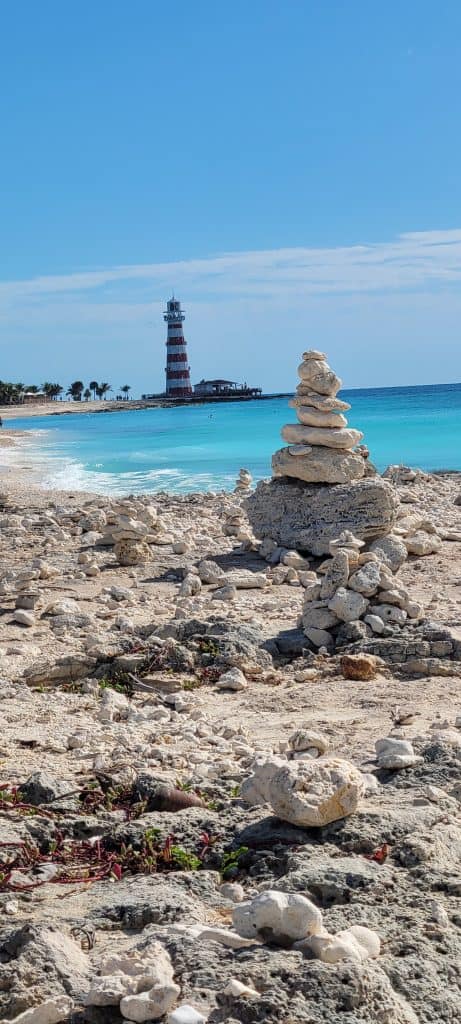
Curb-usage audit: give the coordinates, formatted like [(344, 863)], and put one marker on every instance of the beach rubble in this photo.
[(229, 767)]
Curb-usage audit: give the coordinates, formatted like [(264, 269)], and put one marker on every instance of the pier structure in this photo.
[(177, 369)]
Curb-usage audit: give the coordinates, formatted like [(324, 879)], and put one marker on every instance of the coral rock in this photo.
[(314, 793)]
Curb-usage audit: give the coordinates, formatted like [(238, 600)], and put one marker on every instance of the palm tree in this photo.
[(75, 390), (87, 394), (6, 392), (94, 387), (102, 390), (10, 394), (52, 390), (32, 388), (126, 388)]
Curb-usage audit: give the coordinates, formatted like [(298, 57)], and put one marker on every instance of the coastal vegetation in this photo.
[(14, 393)]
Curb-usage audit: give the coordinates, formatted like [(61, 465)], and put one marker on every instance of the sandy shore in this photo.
[(78, 408), (82, 408)]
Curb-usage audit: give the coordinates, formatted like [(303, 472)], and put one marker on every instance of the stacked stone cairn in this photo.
[(320, 444), (243, 482), (326, 498)]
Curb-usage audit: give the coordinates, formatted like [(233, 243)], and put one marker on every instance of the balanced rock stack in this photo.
[(320, 445), (322, 480), (243, 482)]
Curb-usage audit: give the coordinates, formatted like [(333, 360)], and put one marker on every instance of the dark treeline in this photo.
[(15, 394)]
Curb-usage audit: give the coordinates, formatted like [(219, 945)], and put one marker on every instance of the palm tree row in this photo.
[(77, 390), (13, 394)]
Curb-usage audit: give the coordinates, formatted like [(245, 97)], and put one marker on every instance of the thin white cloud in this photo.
[(414, 260)]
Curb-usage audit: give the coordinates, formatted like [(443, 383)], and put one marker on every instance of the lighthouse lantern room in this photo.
[(178, 383)]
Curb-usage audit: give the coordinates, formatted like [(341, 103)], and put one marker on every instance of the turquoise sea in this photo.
[(203, 447)]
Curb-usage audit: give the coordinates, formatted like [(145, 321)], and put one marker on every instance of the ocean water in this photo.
[(202, 448)]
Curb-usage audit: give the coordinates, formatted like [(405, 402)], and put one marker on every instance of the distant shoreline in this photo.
[(132, 405)]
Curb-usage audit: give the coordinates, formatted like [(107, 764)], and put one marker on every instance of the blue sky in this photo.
[(291, 168)]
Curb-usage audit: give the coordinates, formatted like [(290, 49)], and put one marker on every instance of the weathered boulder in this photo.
[(308, 516), (309, 793)]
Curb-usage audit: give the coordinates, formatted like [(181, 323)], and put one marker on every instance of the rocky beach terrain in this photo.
[(230, 744)]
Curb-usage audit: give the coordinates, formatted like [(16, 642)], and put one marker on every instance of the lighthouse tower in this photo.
[(178, 383)]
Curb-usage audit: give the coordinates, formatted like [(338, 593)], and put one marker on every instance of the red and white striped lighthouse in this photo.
[(178, 383)]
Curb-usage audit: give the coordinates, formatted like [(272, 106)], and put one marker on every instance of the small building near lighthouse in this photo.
[(225, 389), (177, 368)]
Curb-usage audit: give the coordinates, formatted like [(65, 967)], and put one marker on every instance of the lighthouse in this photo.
[(177, 368)]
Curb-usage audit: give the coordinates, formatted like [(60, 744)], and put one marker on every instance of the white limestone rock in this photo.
[(232, 891), (51, 1011), (307, 740), (319, 376), (129, 551), (211, 573), (311, 588), (190, 586), (389, 613), (150, 1005), (366, 580), (326, 437), (312, 417), (393, 753), (279, 916), (180, 547), (109, 990), (225, 937), (348, 605), (306, 517), (186, 1014), (255, 789), (23, 617), (336, 575), (233, 679), (391, 550), (314, 793), (376, 623), (96, 519), (413, 609), (296, 561), (244, 579), (346, 540), (238, 990), (422, 543), (227, 593), (318, 614), (356, 943), (318, 465), (319, 637)]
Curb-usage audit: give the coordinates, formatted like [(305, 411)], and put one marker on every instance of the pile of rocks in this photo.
[(354, 585), (319, 487), (320, 444), (243, 482)]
